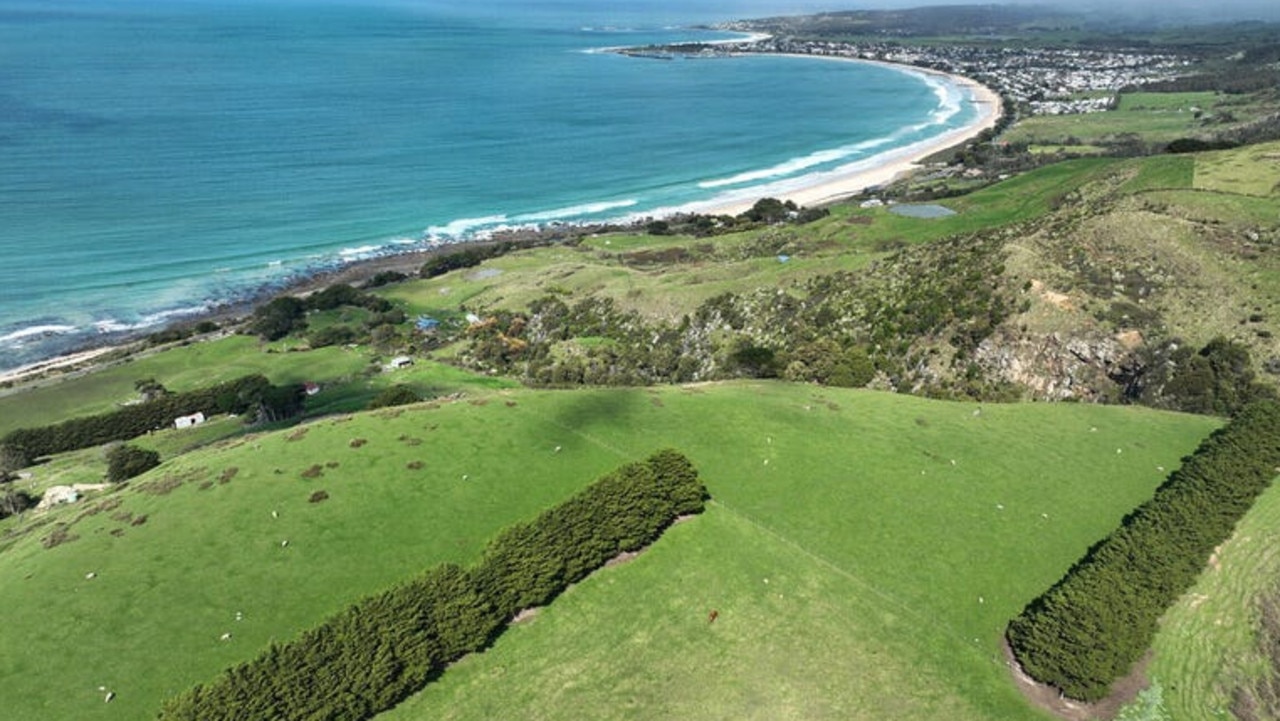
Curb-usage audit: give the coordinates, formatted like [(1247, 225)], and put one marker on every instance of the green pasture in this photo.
[(1074, 150), (1253, 170), (1155, 117), (1161, 172), (1168, 102), (349, 378), (1219, 208), (849, 239), (1206, 646), (179, 369), (901, 534)]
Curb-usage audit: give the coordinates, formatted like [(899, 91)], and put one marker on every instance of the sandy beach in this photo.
[(887, 167)]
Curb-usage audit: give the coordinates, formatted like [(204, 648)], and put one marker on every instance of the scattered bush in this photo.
[(278, 318), (125, 462), (1218, 379), (396, 395), (13, 501), (385, 277)]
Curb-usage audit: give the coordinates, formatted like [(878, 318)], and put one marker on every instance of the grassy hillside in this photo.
[(1207, 645), (851, 498)]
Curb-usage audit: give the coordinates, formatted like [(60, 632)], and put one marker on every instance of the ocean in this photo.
[(162, 158)]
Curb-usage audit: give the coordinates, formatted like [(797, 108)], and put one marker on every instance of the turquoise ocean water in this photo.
[(158, 159)]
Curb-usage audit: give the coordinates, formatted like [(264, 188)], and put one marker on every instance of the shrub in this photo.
[(332, 335), (278, 318), (125, 462), (385, 277), (396, 395), (13, 501)]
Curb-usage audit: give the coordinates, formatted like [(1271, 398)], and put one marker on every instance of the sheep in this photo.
[(284, 543), (225, 637)]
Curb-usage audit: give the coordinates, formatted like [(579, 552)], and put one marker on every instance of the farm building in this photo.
[(194, 419)]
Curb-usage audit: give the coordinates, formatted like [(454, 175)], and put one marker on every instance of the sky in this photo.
[(1196, 11)]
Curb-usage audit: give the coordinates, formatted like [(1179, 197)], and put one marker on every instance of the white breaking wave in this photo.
[(37, 330), (791, 167), (949, 101), (459, 228), (574, 211), (363, 251), (113, 325)]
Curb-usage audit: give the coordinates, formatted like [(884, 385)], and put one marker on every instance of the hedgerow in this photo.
[(1094, 624), (377, 652), (236, 396)]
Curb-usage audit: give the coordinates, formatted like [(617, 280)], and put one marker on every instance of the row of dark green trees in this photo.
[(251, 393), (374, 654), (1093, 625)]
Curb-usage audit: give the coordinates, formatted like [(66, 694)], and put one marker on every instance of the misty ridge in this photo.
[(1134, 13)]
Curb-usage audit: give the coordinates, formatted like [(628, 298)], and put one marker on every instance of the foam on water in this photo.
[(575, 212), (458, 229), (36, 331)]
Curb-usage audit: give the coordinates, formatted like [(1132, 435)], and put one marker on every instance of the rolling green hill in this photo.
[(897, 526)]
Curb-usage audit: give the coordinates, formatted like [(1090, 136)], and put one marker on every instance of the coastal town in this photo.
[(1043, 81)]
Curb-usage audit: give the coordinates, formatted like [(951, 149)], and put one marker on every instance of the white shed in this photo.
[(194, 419)]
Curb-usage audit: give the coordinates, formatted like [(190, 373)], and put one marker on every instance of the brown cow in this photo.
[(711, 617)]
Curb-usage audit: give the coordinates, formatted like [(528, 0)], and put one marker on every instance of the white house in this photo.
[(194, 419)]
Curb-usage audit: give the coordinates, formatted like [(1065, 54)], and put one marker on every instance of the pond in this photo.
[(922, 211)]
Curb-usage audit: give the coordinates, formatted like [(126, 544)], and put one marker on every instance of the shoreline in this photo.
[(891, 165), (821, 189)]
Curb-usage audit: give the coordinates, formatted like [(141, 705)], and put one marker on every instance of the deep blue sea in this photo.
[(160, 158)]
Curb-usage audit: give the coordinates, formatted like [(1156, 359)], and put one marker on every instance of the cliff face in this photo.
[(1058, 367)]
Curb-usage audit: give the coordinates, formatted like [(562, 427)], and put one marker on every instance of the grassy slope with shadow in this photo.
[(861, 480)]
